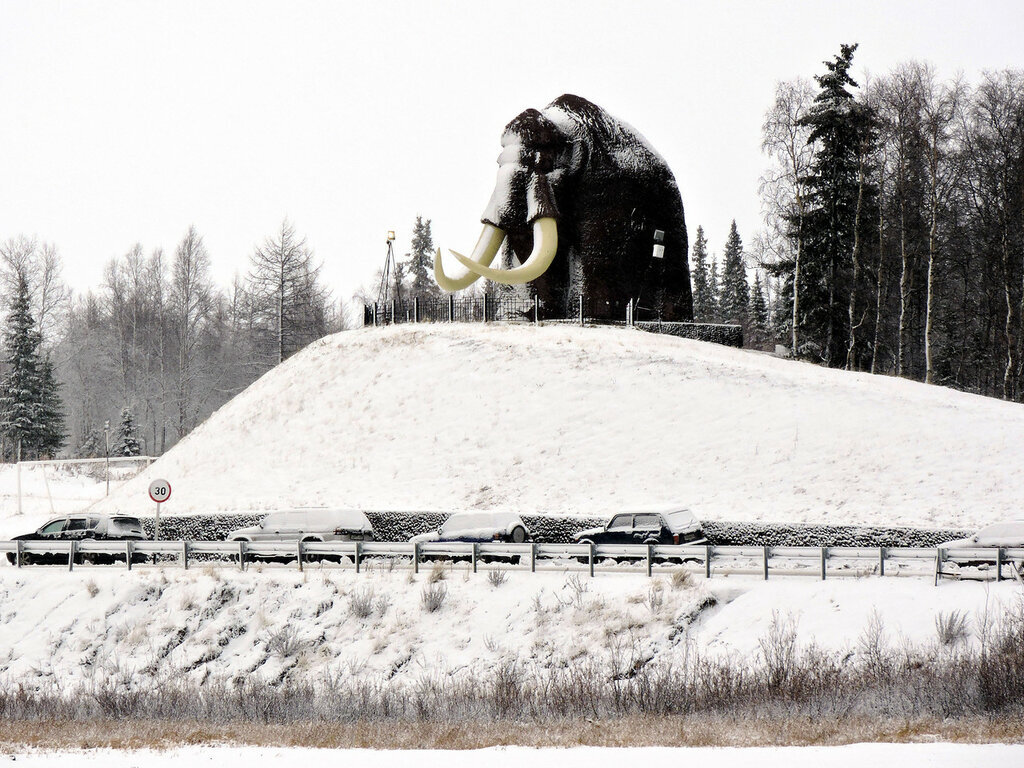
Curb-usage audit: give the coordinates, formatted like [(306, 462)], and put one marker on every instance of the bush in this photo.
[(497, 577), (434, 596)]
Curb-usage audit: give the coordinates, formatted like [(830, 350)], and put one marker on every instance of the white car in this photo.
[(1008, 534), (308, 524), (479, 527)]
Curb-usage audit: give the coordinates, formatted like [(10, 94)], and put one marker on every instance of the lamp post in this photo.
[(106, 452)]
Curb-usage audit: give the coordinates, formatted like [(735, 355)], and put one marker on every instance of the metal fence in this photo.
[(820, 562), (513, 309)]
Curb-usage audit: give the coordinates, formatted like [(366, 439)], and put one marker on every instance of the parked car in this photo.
[(479, 527), (1005, 534), (307, 524), (99, 527), (673, 525)]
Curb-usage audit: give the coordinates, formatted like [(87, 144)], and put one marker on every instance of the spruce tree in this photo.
[(127, 437), (702, 305), (713, 303), (421, 261), (734, 294), (21, 386), (839, 128), (51, 412), (758, 307)]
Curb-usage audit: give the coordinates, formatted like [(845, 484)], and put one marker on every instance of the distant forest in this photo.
[(893, 233), (892, 242)]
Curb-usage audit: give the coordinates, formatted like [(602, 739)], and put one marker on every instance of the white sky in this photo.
[(125, 122)]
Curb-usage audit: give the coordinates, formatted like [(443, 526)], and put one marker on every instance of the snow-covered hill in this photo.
[(589, 420)]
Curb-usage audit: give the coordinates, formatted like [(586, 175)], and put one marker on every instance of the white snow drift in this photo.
[(589, 420)]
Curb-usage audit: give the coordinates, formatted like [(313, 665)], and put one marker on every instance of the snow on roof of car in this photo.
[(314, 517), (476, 521)]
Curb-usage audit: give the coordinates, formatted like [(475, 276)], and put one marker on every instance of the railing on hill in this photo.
[(514, 309), (990, 562)]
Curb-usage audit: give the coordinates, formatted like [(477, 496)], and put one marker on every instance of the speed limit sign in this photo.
[(159, 491)]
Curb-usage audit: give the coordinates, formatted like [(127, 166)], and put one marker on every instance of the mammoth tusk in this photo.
[(483, 254), (545, 245)]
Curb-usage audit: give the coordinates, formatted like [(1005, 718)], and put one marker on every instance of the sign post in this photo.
[(159, 491)]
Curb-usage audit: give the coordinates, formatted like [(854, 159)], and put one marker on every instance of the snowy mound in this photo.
[(590, 420)]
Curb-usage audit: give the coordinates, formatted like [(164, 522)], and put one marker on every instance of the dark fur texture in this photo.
[(609, 192)]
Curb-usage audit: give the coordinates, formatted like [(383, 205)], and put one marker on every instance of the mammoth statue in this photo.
[(584, 206)]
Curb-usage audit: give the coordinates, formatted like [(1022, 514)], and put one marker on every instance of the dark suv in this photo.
[(669, 526), (79, 527)]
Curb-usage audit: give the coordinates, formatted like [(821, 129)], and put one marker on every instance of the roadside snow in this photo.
[(564, 419), (149, 625), (851, 756)]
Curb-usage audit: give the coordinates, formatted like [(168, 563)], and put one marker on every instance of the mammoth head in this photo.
[(536, 159)]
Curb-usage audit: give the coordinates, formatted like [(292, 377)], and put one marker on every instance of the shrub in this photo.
[(434, 596), (497, 577), (681, 578), (360, 604), (951, 627)]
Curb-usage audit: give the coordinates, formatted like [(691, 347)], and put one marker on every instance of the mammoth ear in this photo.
[(534, 130)]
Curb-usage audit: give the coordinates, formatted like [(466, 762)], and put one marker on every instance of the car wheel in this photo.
[(518, 535)]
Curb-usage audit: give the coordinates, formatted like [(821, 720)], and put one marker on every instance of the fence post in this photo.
[(451, 307), (298, 554), (128, 554), (824, 558), (71, 554), (241, 554), (416, 557), (533, 557), (938, 564), (536, 309), (766, 555), (17, 546), (881, 561), (591, 559), (485, 306), (415, 309), (184, 555), (650, 560), (629, 313), (375, 314), (474, 557), (707, 561), (394, 314), (581, 309), (999, 563), (359, 550)]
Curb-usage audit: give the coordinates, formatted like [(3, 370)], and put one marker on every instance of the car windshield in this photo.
[(474, 521)]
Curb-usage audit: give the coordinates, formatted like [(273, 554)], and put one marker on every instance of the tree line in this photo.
[(155, 349), (894, 224)]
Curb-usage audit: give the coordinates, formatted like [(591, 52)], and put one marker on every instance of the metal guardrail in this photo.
[(713, 560)]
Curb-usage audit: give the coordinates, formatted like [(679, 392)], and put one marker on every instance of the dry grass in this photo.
[(634, 731)]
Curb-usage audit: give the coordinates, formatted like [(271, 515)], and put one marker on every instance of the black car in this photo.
[(78, 528), (668, 526)]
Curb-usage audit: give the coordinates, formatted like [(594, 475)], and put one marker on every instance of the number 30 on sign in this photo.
[(159, 491)]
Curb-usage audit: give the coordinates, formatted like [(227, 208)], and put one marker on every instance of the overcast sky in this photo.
[(125, 122)]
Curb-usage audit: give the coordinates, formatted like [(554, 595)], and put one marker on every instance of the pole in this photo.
[(106, 453)]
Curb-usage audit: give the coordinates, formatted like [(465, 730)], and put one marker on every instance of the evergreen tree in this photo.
[(702, 304), (127, 435), (839, 126), (51, 412), (20, 387), (713, 303), (421, 261), (734, 295), (758, 307)]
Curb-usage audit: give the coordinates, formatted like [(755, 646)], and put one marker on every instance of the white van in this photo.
[(308, 524)]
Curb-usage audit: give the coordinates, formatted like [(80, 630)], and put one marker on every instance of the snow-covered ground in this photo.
[(852, 756), (590, 420), (150, 625)]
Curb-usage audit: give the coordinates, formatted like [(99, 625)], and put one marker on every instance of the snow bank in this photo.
[(588, 421), (851, 756), (147, 626)]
